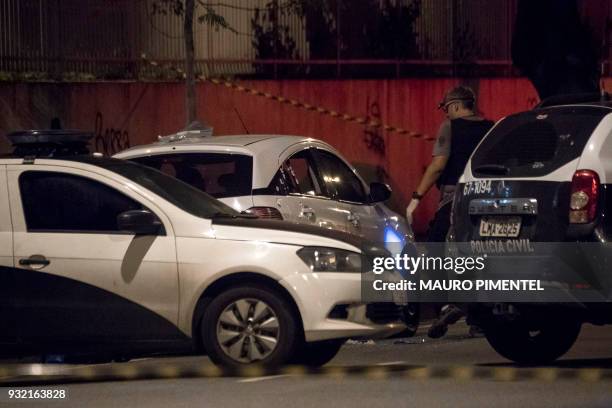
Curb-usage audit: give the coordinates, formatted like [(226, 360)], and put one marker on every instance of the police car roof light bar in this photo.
[(49, 143)]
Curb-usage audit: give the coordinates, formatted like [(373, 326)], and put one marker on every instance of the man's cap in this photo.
[(458, 93)]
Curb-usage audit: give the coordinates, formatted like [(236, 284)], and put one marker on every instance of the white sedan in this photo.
[(298, 179)]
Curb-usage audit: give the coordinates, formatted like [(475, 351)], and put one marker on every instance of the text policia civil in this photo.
[(412, 265)]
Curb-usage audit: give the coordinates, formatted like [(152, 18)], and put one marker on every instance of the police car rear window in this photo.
[(536, 143)]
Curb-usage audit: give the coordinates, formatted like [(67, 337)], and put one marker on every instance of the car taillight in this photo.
[(268, 213), (583, 201)]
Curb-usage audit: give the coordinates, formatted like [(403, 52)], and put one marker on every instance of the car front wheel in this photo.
[(249, 325)]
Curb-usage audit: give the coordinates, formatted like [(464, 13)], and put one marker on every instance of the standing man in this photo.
[(457, 139)]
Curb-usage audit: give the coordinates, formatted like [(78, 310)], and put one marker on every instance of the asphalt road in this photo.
[(593, 350)]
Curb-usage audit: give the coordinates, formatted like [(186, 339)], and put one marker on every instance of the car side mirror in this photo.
[(379, 192), (139, 222)]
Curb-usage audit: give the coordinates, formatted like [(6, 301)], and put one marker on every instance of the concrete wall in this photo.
[(127, 114)]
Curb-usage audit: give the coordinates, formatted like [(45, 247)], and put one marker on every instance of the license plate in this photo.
[(508, 227)]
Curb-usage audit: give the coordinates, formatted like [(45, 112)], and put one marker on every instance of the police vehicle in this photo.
[(541, 176), (100, 254)]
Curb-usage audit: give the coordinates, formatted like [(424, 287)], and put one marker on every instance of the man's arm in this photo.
[(433, 172), (440, 154)]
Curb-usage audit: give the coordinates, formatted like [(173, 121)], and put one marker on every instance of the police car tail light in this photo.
[(268, 213), (583, 201)]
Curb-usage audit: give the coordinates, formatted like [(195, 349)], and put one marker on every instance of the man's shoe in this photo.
[(438, 329), (449, 314)]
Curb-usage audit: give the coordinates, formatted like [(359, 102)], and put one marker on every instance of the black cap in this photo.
[(458, 93)]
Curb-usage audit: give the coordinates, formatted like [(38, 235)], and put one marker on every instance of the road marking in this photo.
[(390, 363), (257, 379)]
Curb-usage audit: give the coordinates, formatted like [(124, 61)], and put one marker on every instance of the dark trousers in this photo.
[(440, 225), (438, 228)]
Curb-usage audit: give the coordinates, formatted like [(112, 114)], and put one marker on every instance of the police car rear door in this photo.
[(80, 278), (517, 185)]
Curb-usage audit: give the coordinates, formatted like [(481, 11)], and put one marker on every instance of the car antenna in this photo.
[(241, 121)]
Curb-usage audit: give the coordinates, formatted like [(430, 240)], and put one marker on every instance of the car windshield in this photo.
[(181, 194)]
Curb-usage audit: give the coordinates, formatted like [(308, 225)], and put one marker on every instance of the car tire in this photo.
[(249, 325), (532, 344), (318, 353)]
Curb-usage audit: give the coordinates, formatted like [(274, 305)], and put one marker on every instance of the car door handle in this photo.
[(34, 260)]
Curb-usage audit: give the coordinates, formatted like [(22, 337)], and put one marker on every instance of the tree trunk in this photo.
[(190, 91)]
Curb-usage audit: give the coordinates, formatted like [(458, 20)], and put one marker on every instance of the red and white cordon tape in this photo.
[(306, 106)]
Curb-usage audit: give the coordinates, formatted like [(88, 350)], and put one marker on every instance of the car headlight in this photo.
[(320, 259)]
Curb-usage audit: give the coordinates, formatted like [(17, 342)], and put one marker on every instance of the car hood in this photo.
[(289, 233)]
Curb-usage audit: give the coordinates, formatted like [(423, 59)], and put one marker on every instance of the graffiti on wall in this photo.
[(372, 136), (109, 140)]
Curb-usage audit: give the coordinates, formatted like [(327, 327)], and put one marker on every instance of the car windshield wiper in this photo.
[(496, 169)]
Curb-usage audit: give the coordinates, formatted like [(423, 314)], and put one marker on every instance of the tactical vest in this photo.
[(465, 136)]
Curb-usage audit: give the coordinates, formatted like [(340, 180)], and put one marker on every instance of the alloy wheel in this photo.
[(248, 330)]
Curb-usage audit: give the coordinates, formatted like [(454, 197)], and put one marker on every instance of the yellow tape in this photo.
[(306, 106), (12, 376), (590, 375), (546, 374), (422, 373), (462, 373), (504, 374), (168, 371), (335, 372)]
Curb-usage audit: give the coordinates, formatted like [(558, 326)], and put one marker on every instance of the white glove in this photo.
[(414, 203)]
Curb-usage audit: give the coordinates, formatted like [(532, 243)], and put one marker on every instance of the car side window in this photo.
[(59, 202), (339, 180), (302, 174), (282, 183), (218, 174)]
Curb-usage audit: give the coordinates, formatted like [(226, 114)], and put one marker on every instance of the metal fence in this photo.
[(62, 37), (105, 39)]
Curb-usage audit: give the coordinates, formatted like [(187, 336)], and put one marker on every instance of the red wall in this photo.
[(136, 113)]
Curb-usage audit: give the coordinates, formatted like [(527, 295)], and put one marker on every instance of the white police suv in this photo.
[(539, 177), (105, 254)]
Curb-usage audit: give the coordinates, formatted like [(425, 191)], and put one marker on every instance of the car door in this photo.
[(306, 200), (80, 278), (8, 322), (345, 187)]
